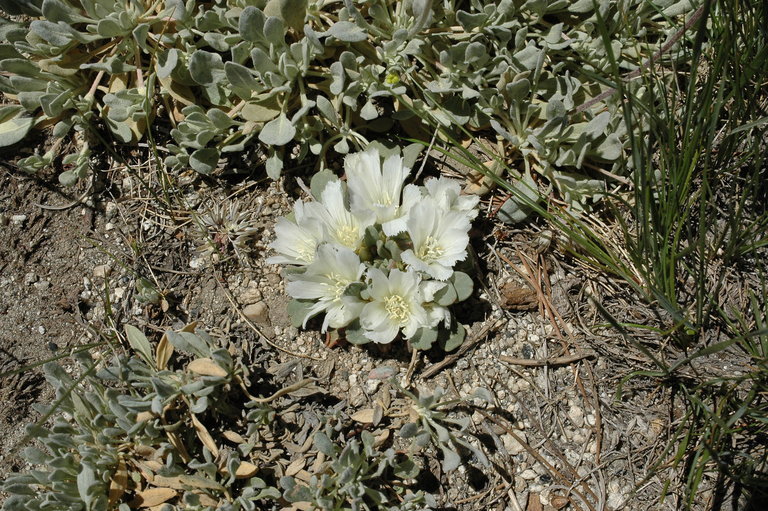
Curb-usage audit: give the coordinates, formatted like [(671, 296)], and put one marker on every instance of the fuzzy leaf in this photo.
[(206, 68), (369, 112), (463, 285), (86, 480), (204, 160), (278, 131), (611, 148), (446, 296), (298, 311), (251, 24), (326, 108), (451, 459), (166, 62), (423, 338), (274, 164), (409, 430), (139, 343), (323, 443), (241, 79), (355, 334), (14, 130), (206, 367), (274, 31), (319, 181), (407, 469), (293, 12), (347, 31), (455, 337)]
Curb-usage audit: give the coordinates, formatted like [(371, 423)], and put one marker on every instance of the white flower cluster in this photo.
[(374, 254)]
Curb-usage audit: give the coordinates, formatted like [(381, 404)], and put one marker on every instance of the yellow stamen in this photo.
[(397, 308)]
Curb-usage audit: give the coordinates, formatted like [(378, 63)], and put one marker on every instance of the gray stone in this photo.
[(257, 312)]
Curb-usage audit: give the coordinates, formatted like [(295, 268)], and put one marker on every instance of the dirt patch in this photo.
[(44, 302)]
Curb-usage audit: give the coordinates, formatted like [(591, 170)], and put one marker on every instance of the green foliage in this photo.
[(431, 424), (698, 219), (176, 425), (326, 75), (352, 478)]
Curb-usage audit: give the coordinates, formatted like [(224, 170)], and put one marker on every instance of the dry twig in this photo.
[(556, 361)]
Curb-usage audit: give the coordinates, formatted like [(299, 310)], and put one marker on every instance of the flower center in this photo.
[(430, 250), (306, 251), (347, 235), (338, 286), (397, 308)]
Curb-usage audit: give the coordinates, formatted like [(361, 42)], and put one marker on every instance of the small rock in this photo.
[(251, 294), (110, 210), (42, 285), (576, 415), (512, 446), (18, 219), (529, 474), (30, 278), (102, 271), (257, 312), (41, 329), (371, 386), (109, 226)]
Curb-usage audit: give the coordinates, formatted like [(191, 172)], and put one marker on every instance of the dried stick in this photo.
[(556, 361)]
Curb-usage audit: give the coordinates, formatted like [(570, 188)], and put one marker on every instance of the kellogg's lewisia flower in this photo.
[(396, 304), (377, 189), (326, 280), (377, 255), (439, 239), (297, 240), (342, 227)]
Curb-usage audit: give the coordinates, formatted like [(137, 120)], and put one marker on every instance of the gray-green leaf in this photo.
[(15, 129), (278, 131), (139, 343), (347, 31), (204, 160)]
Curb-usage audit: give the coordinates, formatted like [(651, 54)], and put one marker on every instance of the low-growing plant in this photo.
[(302, 77), (377, 256), (175, 425), (354, 477), (225, 230), (430, 423), (132, 433)]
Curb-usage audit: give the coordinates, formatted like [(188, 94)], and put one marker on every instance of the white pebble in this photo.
[(576, 415)]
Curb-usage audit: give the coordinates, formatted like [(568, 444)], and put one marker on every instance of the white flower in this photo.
[(296, 242), (439, 239), (326, 280), (396, 304), (345, 228), (447, 193), (377, 189)]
